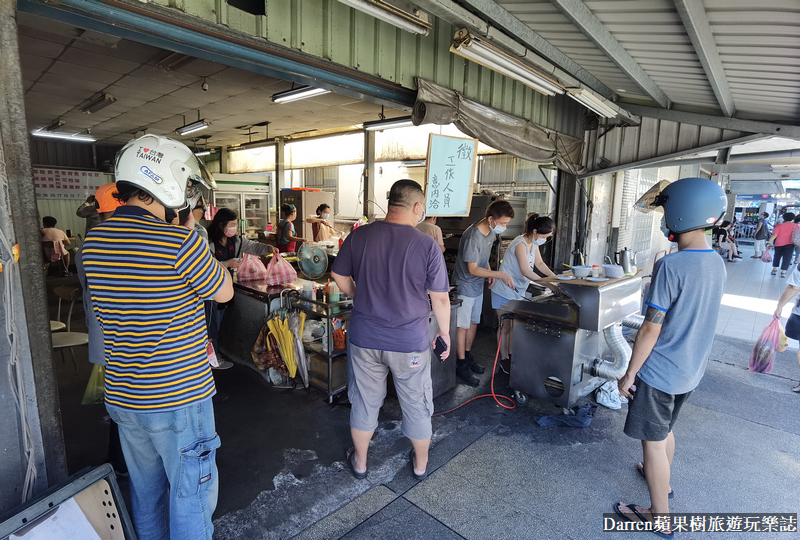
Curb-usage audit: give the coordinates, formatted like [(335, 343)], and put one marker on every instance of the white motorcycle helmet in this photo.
[(162, 168)]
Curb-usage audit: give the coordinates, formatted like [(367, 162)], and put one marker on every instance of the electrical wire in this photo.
[(15, 374), (492, 395)]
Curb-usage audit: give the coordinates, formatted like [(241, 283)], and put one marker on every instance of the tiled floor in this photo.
[(751, 295)]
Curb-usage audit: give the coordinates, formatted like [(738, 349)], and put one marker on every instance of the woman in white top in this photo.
[(521, 257)]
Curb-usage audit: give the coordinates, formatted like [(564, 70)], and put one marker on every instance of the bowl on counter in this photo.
[(581, 271), (613, 271)]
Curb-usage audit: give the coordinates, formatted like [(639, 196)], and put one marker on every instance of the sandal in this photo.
[(422, 476), (640, 468), (632, 507), (774, 271), (783, 273), (351, 452)]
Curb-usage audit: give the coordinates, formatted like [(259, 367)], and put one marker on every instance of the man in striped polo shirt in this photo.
[(148, 280)]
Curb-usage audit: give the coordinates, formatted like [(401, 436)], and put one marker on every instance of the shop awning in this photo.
[(513, 135)]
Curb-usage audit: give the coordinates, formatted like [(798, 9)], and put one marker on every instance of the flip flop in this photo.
[(640, 468), (349, 456), (420, 477), (632, 507)]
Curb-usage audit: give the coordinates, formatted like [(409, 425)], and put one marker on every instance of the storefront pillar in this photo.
[(369, 175), (279, 167), (31, 439)]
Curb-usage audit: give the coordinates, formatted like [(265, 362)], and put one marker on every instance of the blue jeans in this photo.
[(171, 458)]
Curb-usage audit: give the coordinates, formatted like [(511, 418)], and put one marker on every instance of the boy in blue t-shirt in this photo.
[(672, 347)]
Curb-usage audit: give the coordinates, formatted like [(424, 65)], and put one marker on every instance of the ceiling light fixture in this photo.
[(391, 123), (593, 102), (203, 153), (399, 13), (194, 126), (64, 136), (296, 94), (54, 125), (479, 51), (100, 102)]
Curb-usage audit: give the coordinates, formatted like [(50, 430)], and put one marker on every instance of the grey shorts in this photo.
[(469, 312), (367, 370), (652, 413)]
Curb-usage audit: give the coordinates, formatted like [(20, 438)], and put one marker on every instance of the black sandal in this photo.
[(349, 457)]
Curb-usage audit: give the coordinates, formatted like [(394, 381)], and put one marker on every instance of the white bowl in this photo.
[(581, 271), (613, 271)]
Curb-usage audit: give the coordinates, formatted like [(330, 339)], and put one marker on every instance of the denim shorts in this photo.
[(498, 302)]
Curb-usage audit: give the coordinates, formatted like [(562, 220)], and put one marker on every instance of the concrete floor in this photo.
[(494, 473)]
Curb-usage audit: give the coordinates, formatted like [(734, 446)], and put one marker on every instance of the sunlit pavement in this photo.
[(751, 295)]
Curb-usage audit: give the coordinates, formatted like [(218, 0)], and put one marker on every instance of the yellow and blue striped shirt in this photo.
[(148, 280)]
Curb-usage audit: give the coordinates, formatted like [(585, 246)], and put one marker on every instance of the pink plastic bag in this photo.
[(767, 256), (251, 268), (766, 348), (279, 271)]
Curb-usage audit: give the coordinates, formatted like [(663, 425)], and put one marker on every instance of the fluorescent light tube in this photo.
[(480, 52), (391, 123), (55, 125), (203, 153), (194, 126), (417, 23), (599, 105), (296, 94), (64, 136), (99, 103)]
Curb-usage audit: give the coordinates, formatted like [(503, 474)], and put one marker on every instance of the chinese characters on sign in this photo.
[(451, 168), (66, 184)]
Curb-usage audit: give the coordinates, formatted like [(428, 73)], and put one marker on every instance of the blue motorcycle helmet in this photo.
[(688, 204)]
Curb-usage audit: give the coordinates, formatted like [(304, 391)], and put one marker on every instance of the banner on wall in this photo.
[(66, 183)]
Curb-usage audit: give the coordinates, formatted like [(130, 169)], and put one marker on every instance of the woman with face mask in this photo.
[(226, 243), (322, 225), (228, 247), (519, 261)]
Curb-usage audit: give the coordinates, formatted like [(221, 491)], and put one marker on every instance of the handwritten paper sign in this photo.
[(451, 168)]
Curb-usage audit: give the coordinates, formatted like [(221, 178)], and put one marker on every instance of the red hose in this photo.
[(492, 395)]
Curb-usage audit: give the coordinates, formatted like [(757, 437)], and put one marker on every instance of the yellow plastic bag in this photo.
[(95, 390), (783, 341)]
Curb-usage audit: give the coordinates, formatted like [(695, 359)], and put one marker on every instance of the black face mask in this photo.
[(169, 215)]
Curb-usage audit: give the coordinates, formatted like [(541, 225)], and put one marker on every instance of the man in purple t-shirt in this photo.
[(390, 268)]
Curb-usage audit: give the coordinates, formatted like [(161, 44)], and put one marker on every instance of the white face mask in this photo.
[(325, 216), (540, 241)]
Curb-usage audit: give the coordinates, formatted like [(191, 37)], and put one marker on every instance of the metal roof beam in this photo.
[(519, 31), (583, 18), (734, 124), (753, 156), (695, 20), (658, 160)]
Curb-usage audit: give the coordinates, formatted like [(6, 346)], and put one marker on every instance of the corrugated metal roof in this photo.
[(757, 42)]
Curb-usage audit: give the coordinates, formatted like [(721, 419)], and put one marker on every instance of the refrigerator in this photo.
[(306, 202), (248, 196)]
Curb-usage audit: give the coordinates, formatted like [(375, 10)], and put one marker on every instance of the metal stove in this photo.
[(564, 347)]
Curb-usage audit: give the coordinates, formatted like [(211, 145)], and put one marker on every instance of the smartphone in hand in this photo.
[(439, 348)]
